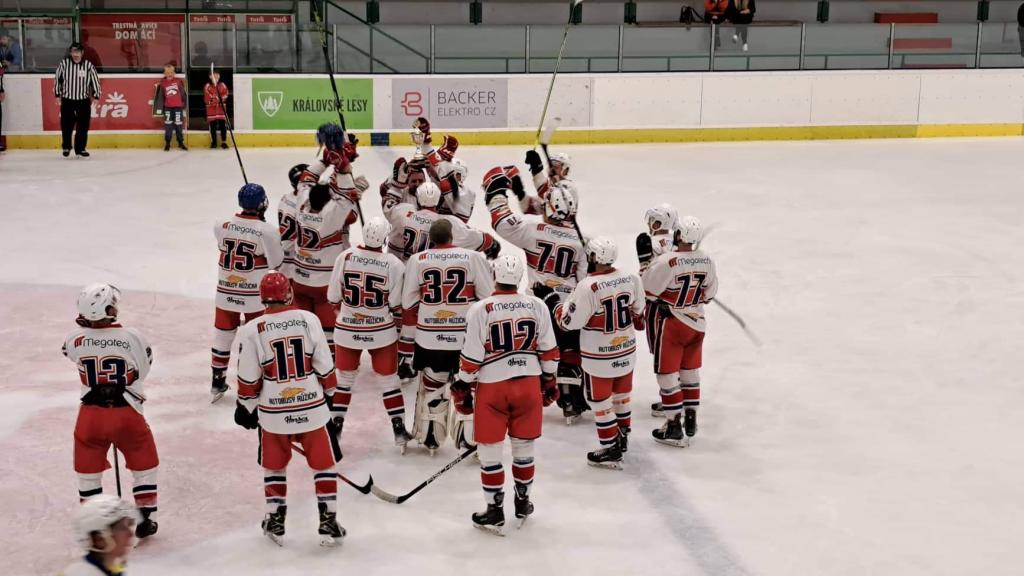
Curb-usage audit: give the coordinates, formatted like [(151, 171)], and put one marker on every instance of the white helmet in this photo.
[(98, 514), (561, 162), (375, 232), (508, 269), (94, 300), (560, 203), (690, 230), (603, 249), (428, 195), (456, 166), (661, 217)]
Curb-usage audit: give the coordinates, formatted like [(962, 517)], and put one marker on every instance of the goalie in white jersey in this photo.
[(286, 385), (508, 364), (606, 306), (678, 284), (366, 285), (410, 226), (555, 262), (113, 362), (441, 284), (249, 247)]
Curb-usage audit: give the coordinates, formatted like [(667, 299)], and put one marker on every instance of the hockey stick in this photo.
[(231, 129), (545, 140), (750, 334), (364, 489), (330, 73), (117, 471), (558, 62), (388, 497)]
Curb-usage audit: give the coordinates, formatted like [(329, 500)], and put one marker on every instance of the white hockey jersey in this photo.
[(285, 370), (603, 307), (367, 284), (249, 247), (440, 286), (410, 231), (535, 204), (508, 335), (685, 281), (288, 228), (321, 237), (660, 243), (111, 356), (554, 254)]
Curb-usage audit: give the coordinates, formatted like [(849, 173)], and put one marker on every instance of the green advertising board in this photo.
[(306, 103)]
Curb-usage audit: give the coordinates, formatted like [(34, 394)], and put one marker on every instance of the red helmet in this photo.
[(275, 288)]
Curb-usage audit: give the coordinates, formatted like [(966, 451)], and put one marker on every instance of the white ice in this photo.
[(877, 431)]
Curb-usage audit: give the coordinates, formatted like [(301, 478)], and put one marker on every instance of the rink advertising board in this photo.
[(126, 104), (306, 103), (450, 103), (134, 41)]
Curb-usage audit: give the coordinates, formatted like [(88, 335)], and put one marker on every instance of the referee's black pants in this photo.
[(74, 115)]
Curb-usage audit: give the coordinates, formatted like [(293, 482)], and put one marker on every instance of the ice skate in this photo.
[(657, 411), (147, 527), (219, 385), (402, 435), (671, 433), (523, 507), (623, 439), (690, 422), (330, 532), (492, 519), (273, 525), (610, 457)]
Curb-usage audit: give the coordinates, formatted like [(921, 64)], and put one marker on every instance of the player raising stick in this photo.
[(557, 172), (508, 364), (678, 284), (606, 306), (555, 262), (441, 284), (285, 385), (249, 246), (367, 284), (410, 226), (287, 227), (112, 363)]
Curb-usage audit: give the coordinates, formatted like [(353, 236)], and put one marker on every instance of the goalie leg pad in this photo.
[(432, 406), (460, 427), (569, 378)]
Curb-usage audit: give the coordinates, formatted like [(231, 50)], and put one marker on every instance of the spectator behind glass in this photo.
[(90, 53), (741, 13), (714, 13), (10, 50)]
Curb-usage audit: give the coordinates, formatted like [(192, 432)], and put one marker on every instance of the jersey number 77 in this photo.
[(691, 288)]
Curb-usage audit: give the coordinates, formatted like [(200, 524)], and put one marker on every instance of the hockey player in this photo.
[(508, 364), (555, 262), (113, 362), (104, 526), (662, 221), (285, 387), (678, 284), (249, 246), (441, 284), (606, 306), (323, 228), (366, 284), (287, 227), (459, 198), (410, 226), (557, 172)]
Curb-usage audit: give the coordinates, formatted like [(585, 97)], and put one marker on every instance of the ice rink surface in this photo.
[(876, 431)]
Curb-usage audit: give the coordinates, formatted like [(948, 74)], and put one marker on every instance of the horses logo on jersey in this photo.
[(619, 341), (445, 314), (291, 392), (235, 279)]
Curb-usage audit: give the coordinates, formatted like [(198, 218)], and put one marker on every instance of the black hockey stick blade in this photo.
[(389, 497), (364, 489)]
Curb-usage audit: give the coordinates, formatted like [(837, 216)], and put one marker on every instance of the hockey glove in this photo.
[(549, 389), (334, 426), (547, 294), (462, 397), (496, 183), (400, 173), (493, 247), (336, 159), (639, 322), (644, 248), (534, 162), (405, 369), (246, 419), (517, 183), (362, 184), (448, 147)]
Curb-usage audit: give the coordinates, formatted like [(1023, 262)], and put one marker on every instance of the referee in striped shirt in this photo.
[(75, 85)]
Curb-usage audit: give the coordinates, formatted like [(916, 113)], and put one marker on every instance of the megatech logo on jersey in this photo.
[(270, 102), (102, 343)]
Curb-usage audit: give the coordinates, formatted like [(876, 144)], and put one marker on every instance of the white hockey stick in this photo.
[(558, 62)]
